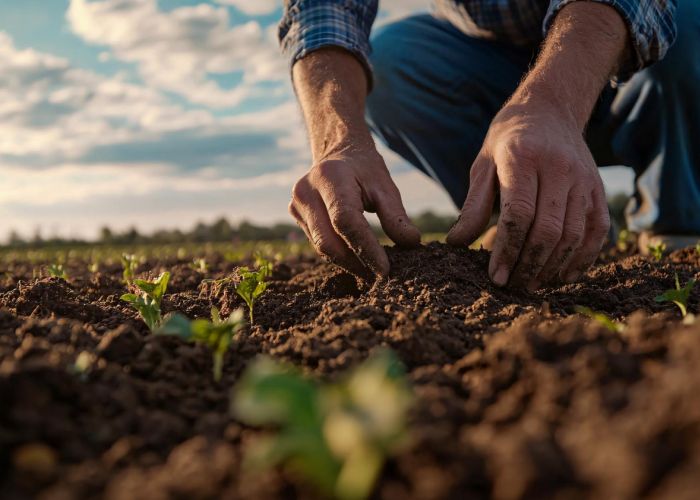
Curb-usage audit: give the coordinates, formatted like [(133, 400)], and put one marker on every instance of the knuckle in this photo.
[(549, 232), (342, 221), (300, 189), (519, 209), (324, 170)]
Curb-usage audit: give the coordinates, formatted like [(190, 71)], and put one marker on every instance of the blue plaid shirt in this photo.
[(308, 25)]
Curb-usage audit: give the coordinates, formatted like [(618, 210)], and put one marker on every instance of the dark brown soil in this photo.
[(517, 396)]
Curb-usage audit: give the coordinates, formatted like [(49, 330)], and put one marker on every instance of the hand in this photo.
[(554, 215), (328, 203)]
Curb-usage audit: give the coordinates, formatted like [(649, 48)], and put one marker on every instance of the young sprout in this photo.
[(624, 239), (148, 302), (602, 318), (697, 247), (200, 265), (129, 263), (216, 334), (336, 436), (657, 250), (678, 295), (253, 284), (57, 271)]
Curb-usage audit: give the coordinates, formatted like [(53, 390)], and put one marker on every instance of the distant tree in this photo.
[(106, 235), (14, 239)]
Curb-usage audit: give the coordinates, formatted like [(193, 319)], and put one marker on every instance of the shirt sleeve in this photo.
[(651, 24), (309, 25)]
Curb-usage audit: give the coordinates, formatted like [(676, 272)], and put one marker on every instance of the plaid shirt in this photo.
[(311, 24)]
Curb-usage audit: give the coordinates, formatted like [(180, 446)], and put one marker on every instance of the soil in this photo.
[(517, 396)]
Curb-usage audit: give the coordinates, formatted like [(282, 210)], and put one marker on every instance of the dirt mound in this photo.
[(516, 397)]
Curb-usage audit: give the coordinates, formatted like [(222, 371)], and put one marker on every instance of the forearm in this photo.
[(586, 44), (331, 86)]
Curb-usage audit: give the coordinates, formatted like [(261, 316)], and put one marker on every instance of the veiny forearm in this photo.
[(332, 87), (584, 47)]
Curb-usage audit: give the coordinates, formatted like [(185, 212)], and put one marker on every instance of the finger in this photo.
[(571, 237), (597, 227), (477, 208), (347, 218), (546, 229), (518, 204), (393, 218), (310, 212)]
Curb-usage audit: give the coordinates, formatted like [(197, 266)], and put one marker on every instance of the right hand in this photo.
[(329, 204)]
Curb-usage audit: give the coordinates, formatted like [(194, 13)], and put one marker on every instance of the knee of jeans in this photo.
[(382, 107)]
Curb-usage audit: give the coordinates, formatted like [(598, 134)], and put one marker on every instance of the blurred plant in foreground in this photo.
[(335, 435)]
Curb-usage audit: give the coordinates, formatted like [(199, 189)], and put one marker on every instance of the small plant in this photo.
[(624, 240), (602, 318), (57, 271), (657, 250), (147, 303), (697, 247), (253, 284), (200, 265), (678, 295), (129, 264), (337, 436), (216, 334)]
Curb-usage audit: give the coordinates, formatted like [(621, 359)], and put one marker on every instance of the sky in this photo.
[(156, 114)]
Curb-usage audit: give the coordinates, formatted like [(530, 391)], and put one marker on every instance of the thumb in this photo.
[(476, 211), (392, 215)]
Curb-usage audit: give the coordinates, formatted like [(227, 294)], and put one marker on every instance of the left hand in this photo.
[(554, 214)]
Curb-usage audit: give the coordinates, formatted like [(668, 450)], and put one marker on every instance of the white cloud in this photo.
[(181, 50), (253, 7)]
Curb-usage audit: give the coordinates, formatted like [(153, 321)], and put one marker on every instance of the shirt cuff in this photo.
[(650, 24), (322, 23)]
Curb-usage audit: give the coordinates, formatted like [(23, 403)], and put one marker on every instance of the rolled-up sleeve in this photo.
[(308, 25), (651, 24)]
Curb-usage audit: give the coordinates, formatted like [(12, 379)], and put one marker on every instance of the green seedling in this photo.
[(624, 240), (253, 284), (336, 436), (602, 318), (57, 271), (657, 251), (129, 264), (147, 303), (200, 265), (697, 247), (216, 334), (678, 295)]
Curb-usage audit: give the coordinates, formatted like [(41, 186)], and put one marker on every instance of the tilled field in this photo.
[(516, 395)]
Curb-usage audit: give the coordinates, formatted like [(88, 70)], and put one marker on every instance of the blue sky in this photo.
[(153, 113)]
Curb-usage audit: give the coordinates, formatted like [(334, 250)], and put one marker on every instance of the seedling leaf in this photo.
[(217, 334), (678, 295), (657, 250), (602, 318), (57, 271), (148, 302), (336, 435), (253, 284)]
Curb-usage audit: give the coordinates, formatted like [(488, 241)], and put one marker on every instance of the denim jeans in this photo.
[(436, 90)]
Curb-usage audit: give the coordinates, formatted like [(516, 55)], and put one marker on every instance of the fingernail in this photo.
[(500, 277)]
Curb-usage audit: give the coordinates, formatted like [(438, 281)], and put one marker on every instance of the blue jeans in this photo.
[(437, 89)]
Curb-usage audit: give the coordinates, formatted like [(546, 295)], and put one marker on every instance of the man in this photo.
[(498, 99)]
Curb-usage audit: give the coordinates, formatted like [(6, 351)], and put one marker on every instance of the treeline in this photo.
[(220, 230)]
